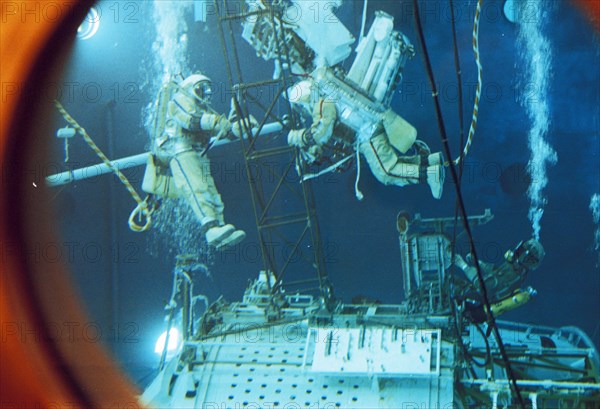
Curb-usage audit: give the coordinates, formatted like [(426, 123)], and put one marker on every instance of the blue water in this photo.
[(360, 238)]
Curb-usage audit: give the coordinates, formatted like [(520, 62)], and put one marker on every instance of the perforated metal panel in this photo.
[(273, 367)]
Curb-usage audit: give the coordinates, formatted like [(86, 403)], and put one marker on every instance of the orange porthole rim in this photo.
[(38, 369)]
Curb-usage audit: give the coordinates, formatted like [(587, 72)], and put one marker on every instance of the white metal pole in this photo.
[(130, 162)]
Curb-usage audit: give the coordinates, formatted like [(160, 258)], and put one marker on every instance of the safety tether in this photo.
[(479, 82), (142, 208)]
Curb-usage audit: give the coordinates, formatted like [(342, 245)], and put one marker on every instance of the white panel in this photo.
[(373, 351), (322, 31)]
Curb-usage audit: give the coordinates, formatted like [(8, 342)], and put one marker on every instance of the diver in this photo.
[(502, 282), (178, 166), (386, 162)]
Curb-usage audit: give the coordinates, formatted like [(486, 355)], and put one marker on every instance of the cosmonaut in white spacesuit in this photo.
[(387, 164), (178, 166)]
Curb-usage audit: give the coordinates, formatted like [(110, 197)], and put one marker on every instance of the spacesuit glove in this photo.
[(232, 112), (237, 127), (214, 122), (296, 138), (312, 154), (222, 124)]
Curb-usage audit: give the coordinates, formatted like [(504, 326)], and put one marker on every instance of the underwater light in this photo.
[(511, 11), (90, 25), (173, 345)]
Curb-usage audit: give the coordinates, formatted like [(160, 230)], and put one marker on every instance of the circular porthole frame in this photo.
[(41, 367)]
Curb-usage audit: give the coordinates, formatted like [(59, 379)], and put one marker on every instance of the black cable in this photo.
[(461, 131), (460, 126), (460, 94), (459, 338), (488, 351), (453, 306), (446, 145)]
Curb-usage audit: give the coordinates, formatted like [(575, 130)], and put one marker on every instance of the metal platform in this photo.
[(377, 359)]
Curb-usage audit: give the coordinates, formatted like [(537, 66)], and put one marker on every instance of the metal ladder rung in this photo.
[(300, 282), (244, 86), (240, 16), (265, 153), (277, 221)]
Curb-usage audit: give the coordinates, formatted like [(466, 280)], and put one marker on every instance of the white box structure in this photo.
[(375, 350)]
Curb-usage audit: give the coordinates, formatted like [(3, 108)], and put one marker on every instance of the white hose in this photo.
[(328, 169), (533, 397), (364, 20), (357, 191), (494, 396)]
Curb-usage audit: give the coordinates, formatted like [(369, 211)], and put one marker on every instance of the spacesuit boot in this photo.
[(220, 237), (233, 239), (435, 158), (435, 180)]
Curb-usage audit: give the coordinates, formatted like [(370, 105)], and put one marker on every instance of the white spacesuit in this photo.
[(178, 166), (387, 164)]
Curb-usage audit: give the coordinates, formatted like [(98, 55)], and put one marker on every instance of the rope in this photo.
[(141, 210), (66, 150), (142, 207), (479, 82)]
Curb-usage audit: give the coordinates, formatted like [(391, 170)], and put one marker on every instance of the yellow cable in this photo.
[(479, 82), (142, 208)]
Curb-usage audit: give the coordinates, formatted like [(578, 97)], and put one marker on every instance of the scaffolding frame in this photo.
[(269, 222)]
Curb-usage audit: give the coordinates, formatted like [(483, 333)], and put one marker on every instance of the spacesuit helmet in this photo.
[(199, 85), (529, 254)]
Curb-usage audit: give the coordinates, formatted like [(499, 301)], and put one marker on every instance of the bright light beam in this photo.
[(174, 342), (90, 25)]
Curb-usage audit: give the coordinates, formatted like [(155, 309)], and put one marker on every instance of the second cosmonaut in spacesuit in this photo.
[(387, 164), (178, 166)]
